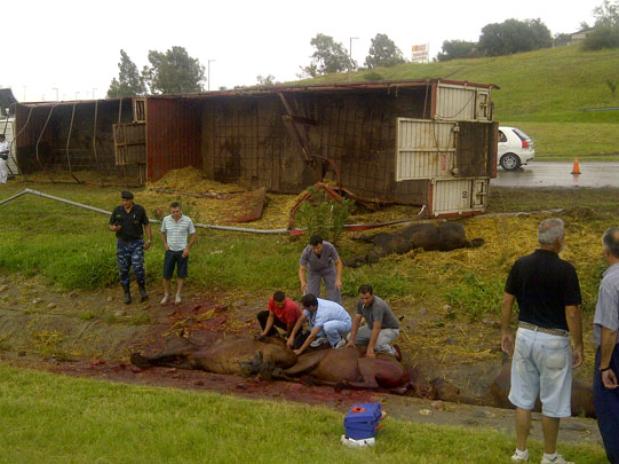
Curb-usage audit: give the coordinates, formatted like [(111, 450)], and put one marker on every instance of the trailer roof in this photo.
[(349, 87)]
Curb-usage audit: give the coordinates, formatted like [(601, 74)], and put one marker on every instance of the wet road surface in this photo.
[(554, 174)]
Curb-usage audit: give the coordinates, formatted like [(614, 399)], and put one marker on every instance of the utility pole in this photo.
[(208, 75), (350, 52), (350, 39)]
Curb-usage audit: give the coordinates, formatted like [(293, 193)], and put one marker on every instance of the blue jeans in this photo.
[(128, 255), (606, 404)]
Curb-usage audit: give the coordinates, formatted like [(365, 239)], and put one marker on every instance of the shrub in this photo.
[(323, 216), (603, 36)]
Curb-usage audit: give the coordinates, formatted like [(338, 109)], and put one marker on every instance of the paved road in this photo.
[(552, 174)]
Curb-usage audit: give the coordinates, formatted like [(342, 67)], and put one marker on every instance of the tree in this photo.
[(383, 52), (605, 32), (173, 71), (129, 82), (453, 49), (561, 39), (265, 81), (329, 57), (607, 14), (513, 36)]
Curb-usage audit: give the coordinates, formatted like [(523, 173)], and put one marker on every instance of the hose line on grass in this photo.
[(203, 226), (250, 230)]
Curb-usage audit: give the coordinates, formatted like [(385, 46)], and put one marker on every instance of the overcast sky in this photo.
[(73, 46)]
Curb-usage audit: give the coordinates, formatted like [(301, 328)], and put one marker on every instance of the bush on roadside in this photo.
[(324, 216)]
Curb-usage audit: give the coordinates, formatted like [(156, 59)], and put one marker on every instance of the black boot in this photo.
[(143, 293), (127, 291)]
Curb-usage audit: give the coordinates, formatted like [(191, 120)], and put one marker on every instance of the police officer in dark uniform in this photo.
[(130, 222)]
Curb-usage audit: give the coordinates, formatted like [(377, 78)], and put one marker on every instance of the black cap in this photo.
[(126, 195)]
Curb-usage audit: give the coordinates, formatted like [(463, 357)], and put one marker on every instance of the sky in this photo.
[(70, 49)]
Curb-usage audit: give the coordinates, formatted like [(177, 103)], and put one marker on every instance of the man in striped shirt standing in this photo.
[(178, 235)]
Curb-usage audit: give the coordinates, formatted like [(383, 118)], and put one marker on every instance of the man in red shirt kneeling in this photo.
[(282, 313)]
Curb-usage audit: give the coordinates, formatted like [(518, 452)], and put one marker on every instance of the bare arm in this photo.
[(192, 240), (507, 338), (356, 322), (308, 340), (149, 236), (164, 239), (373, 337), (268, 324), (302, 279), (574, 323), (609, 342), (295, 330), (339, 266)]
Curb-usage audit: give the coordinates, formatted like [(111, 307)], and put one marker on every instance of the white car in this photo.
[(515, 148)]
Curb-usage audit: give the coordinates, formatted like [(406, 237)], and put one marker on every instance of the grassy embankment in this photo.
[(546, 92), (73, 249), (55, 419)]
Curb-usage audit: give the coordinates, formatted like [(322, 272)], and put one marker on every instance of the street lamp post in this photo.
[(208, 75), (350, 51)]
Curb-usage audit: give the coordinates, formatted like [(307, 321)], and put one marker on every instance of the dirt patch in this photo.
[(90, 334)]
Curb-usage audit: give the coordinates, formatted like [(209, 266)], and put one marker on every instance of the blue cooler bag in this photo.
[(362, 420)]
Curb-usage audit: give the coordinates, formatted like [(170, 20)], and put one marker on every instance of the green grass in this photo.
[(49, 418), (72, 249), (600, 200), (546, 92), (558, 141)]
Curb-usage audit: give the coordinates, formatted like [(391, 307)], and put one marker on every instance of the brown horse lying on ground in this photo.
[(269, 357), (445, 236)]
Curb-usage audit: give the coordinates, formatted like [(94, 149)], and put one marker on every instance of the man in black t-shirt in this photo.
[(548, 295), (129, 221)]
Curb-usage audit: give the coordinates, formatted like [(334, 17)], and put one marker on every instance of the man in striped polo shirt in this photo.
[(178, 235)]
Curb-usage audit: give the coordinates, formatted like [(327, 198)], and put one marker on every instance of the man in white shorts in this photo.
[(548, 294)]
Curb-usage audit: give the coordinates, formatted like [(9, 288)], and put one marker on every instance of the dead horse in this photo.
[(348, 368), (270, 358), (227, 355), (444, 236)]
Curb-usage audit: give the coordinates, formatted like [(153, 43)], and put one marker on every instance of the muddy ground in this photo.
[(91, 334)]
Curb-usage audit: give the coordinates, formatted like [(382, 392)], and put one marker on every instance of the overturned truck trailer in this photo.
[(430, 143)]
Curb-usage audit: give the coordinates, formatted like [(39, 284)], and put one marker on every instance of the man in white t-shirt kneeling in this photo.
[(178, 235)]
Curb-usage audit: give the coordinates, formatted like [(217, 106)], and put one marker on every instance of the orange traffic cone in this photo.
[(576, 167)]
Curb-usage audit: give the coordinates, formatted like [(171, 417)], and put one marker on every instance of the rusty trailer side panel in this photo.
[(249, 140), (70, 135), (477, 149), (173, 135)]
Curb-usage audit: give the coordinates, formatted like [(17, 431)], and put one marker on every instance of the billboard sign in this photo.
[(420, 53)]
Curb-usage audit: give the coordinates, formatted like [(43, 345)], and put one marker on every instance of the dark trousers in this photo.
[(606, 404), (263, 316), (130, 255)]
